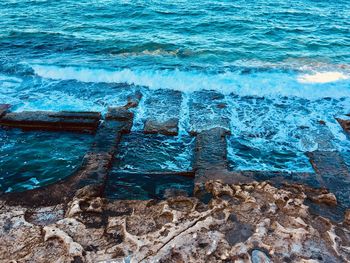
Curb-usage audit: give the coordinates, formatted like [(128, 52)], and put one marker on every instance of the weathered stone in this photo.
[(347, 217), (162, 105), (134, 100), (3, 109), (328, 199), (210, 152), (181, 204), (265, 224), (58, 121), (168, 127), (259, 257), (45, 215), (345, 124), (174, 192), (239, 233), (119, 114), (333, 173)]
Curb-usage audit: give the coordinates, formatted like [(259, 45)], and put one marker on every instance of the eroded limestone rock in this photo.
[(253, 222)]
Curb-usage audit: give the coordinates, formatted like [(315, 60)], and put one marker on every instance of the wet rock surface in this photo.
[(3, 109), (47, 120), (345, 124), (253, 222), (168, 127)]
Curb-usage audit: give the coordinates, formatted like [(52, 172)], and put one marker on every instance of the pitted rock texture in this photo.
[(254, 222)]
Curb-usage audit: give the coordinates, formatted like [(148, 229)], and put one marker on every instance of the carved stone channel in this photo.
[(210, 159), (94, 170)]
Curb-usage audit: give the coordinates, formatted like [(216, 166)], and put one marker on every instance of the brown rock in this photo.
[(57, 121), (119, 114), (168, 127), (173, 230), (347, 217), (327, 199), (134, 100), (3, 109), (345, 124)]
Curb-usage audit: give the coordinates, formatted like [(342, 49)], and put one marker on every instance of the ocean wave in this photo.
[(260, 83)]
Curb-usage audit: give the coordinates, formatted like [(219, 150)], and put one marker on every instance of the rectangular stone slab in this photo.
[(58, 121), (210, 151), (333, 173), (328, 163)]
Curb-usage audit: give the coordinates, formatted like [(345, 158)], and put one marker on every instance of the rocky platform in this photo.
[(233, 216), (253, 222)]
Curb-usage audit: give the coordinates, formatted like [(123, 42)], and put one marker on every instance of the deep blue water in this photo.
[(278, 67), (186, 45)]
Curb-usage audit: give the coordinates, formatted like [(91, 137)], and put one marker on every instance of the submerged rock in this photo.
[(134, 100), (253, 222)]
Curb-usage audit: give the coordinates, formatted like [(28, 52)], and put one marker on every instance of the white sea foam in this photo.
[(5, 78), (269, 83), (323, 77)]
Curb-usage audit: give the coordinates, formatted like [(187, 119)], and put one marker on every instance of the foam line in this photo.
[(269, 84)]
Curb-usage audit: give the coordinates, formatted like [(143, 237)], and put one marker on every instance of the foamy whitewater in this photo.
[(279, 67)]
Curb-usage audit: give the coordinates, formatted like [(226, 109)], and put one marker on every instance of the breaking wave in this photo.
[(255, 83)]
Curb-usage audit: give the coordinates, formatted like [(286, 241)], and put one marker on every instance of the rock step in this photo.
[(189, 174), (52, 121), (210, 152), (328, 163), (333, 173)]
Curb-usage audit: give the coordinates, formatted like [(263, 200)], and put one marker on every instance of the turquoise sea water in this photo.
[(186, 45), (278, 67)]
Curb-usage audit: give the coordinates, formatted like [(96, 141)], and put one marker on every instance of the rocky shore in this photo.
[(253, 222), (233, 216)]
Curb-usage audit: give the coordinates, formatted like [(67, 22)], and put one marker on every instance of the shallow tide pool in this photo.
[(32, 159)]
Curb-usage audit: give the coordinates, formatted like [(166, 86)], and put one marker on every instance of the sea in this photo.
[(266, 70)]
